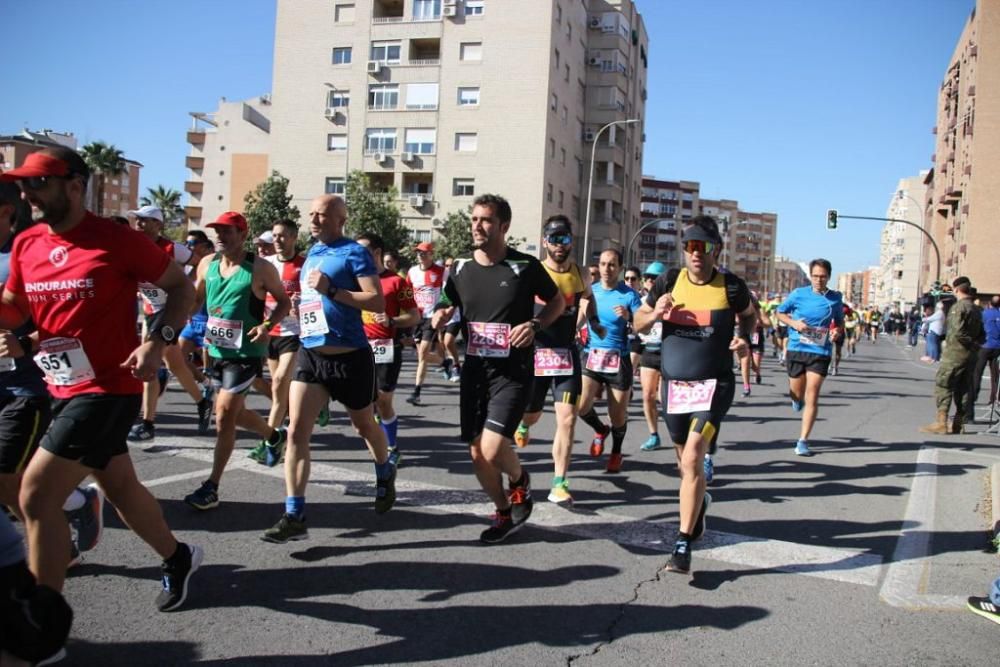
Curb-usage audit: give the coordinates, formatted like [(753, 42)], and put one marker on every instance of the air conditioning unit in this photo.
[(450, 3), (437, 222), (594, 61), (407, 157), (595, 22), (588, 135), (417, 201), (331, 112), (449, 11), (374, 67), (380, 157)]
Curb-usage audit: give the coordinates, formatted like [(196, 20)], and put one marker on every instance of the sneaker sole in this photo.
[(274, 540), (390, 496), (510, 532), (978, 611), (558, 500), (670, 567), (206, 506), (197, 554), (99, 514)]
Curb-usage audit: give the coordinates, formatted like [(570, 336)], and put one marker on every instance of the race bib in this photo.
[(755, 338), (687, 397), (553, 361), (222, 333), (154, 296), (6, 364), (488, 339), (63, 362), (814, 336), (312, 321), (604, 361), (654, 336), (382, 349)]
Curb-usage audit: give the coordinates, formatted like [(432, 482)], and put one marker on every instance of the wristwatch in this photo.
[(166, 333), (536, 326)]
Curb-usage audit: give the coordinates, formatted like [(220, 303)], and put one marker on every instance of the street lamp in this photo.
[(590, 185)]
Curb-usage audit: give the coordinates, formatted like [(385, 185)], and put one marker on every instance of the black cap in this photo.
[(557, 227), (699, 233), (961, 280)]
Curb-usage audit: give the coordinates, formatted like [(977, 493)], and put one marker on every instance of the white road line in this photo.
[(843, 565), (906, 575), (177, 478)]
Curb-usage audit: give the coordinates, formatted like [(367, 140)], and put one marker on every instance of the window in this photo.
[(385, 52), (468, 97), (426, 10), (562, 159), (548, 193), (561, 199), (566, 73), (558, 13), (421, 235), (421, 96), (464, 187), (420, 140), (555, 102), (383, 96), (470, 51), (555, 61), (466, 142), (336, 142), (552, 148), (339, 98), (342, 55), (380, 140), (474, 7), (565, 115), (335, 186), (343, 13)]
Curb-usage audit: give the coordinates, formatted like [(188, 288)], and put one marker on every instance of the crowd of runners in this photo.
[(77, 383)]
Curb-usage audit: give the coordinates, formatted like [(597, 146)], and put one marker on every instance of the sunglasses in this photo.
[(631, 278), (649, 276), (703, 247), (39, 182), (559, 239)]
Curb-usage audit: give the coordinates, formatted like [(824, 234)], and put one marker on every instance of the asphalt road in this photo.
[(863, 554)]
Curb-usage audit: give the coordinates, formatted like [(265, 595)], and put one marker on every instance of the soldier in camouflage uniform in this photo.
[(964, 336)]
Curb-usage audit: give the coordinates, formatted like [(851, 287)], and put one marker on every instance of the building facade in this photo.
[(963, 199), (664, 207), (788, 275), (448, 99), (898, 280)]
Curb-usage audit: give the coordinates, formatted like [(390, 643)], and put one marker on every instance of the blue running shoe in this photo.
[(274, 453), (709, 467), (651, 444), (802, 448), (796, 405)]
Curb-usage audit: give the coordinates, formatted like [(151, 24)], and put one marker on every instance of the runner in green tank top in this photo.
[(233, 311)]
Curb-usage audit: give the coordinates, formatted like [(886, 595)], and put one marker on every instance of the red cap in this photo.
[(230, 219), (425, 247), (37, 164)]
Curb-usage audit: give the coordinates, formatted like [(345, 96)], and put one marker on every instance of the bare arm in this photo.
[(523, 334), (144, 361), (270, 282), (407, 319)]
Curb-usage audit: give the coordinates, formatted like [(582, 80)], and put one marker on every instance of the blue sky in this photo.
[(788, 106)]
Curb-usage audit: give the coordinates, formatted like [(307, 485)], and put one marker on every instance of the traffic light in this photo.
[(831, 218)]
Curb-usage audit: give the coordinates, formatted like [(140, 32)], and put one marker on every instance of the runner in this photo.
[(607, 359), (851, 329), (149, 221), (874, 324), (649, 363), (192, 336), (283, 344), (76, 277), (496, 290), (335, 361), (383, 337), (632, 280), (426, 277), (233, 284), (557, 359), (815, 317), (751, 362), (698, 310)]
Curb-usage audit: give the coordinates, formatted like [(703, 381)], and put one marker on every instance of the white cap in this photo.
[(266, 237), (148, 212)]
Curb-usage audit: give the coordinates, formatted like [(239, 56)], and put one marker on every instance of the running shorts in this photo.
[(493, 397), (424, 331), (650, 359), (565, 388), (453, 329), (349, 377), (622, 380), (707, 422), (194, 330), (798, 363), (235, 375), (23, 420), (387, 375), (91, 428), (279, 345)]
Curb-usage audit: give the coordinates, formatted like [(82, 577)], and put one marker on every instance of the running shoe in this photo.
[(176, 578), (142, 432), (614, 463), (414, 399), (699, 524), (259, 453), (455, 375), (802, 448), (53, 659), (274, 453), (206, 497), (288, 529), (746, 391), (597, 444), (204, 415), (88, 520), (709, 467), (445, 373), (680, 559), (758, 378), (323, 418), (834, 370), (385, 491), (797, 405), (984, 607), (395, 457), (652, 443), (522, 435), (502, 526), (520, 499), (559, 494)]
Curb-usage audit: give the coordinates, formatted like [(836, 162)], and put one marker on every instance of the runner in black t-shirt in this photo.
[(496, 290)]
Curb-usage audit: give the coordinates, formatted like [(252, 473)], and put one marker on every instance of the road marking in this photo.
[(177, 478), (906, 575), (843, 565)]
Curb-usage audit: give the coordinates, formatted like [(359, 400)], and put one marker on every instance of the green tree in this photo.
[(104, 160), (371, 208), (167, 200), (454, 236), (266, 204)]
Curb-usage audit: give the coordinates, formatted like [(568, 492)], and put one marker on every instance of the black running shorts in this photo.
[(622, 380), (798, 363), (424, 331), (235, 375), (279, 345), (650, 359), (708, 422), (349, 378), (387, 375), (565, 388), (91, 429), (23, 420), (493, 396)]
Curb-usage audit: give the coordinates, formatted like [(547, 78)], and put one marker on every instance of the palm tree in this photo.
[(167, 200), (104, 160)]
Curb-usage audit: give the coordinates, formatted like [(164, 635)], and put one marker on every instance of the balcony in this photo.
[(196, 137), (965, 209), (967, 170), (962, 249), (972, 91), (193, 213), (194, 162), (194, 187)]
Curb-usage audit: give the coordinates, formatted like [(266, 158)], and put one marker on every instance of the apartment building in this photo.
[(228, 157), (962, 196), (748, 249), (664, 206), (448, 99), (898, 280), (789, 275)]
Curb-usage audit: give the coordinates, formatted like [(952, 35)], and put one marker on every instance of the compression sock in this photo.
[(593, 421), (295, 507), (618, 437), (390, 427)]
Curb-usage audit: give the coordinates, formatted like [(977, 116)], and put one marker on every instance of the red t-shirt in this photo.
[(289, 271), (82, 286), (398, 298)]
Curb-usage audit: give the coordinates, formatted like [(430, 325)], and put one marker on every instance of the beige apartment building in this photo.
[(664, 207), (789, 275), (228, 157), (898, 280), (963, 200), (449, 99)]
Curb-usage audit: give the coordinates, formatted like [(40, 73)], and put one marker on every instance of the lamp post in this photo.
[(590, 185)]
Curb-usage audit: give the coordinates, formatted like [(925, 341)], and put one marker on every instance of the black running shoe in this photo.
[(176, 578), (385, 491), (502, 526), (699, 524), (520, 499), (680, 560), (204, 416)]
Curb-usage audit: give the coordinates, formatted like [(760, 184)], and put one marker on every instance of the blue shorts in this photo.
[(195, 330)]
